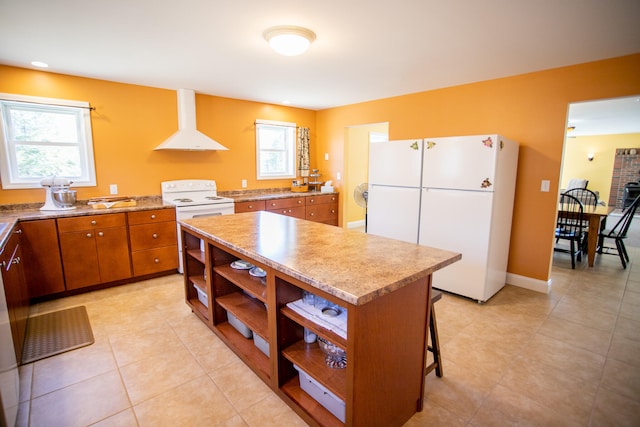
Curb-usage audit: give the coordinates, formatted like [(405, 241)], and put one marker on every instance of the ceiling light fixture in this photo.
[(289, 40)]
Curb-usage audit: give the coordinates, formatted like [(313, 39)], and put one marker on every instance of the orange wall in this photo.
[(130, 121), (530, 108)]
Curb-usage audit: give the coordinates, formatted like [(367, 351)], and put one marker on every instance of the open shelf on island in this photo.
[(254, 285)]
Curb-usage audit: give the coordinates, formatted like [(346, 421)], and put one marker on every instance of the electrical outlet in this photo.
[(326, 156), (244, 183), (544, 186), (113, 188), (338, 176)]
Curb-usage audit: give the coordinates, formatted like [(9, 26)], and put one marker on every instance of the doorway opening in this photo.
[(356, 155)]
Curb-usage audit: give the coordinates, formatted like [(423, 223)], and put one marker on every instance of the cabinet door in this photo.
[(327, 212), (291, 202), (15, 290), (296, 211), (155, 260), (147, 236), (151, 216), (325, 198), (253, 206), (113, 254), (89, 222), (79, 259), (41, 255)]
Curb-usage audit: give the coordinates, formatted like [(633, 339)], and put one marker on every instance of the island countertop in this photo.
[(350, 265)]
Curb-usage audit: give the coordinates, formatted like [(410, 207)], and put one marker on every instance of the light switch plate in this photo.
[(545, 185), (113, 188), (244, 183)]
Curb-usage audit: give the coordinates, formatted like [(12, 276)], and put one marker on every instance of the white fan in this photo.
[(360, 194)]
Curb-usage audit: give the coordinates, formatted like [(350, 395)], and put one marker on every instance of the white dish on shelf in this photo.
[(241, 265), (257, 272)]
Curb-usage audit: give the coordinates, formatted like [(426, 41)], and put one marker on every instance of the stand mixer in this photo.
[(53, 185)]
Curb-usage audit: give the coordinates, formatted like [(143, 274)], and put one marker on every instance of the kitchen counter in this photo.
[(11, 214), (267, 194), (353, 266)]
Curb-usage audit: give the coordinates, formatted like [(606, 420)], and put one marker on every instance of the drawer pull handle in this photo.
[(153, 216), (312, 214), (19, 231), (100, 233), (93, 222), (299, 201), (333, 211), (89, 235), (16, 260), (156, 260), (273, 204), (155, 235), (250, 206)]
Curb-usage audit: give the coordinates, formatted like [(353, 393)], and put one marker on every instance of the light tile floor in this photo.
[(569, 358)]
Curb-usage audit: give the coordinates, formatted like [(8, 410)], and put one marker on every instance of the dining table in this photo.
[(596, 215)]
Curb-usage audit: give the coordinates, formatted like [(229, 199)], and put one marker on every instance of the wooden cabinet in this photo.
[(253, 206), (322, 208), (41, 253), (153, 238), (292, 206), (15, 289), (319, 208), (95, 249), (383, 382)]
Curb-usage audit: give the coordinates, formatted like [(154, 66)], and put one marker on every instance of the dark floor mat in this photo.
[(54, 333)]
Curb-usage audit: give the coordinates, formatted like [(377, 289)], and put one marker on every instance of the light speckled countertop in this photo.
[(268, 194), (350, 265)]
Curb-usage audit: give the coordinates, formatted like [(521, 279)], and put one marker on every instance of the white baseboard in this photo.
[(356, 224), (529, 283)]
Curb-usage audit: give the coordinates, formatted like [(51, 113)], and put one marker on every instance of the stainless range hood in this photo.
[(188, 137)]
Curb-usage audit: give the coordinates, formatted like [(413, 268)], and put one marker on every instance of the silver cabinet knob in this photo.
[(250, 206), (154, 235), (100, 234), (153, 216), (89, 235), (299, 201), (312, 214), (93, 222), (157, 261)]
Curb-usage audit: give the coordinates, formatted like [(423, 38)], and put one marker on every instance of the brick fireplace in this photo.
[(626, 169)]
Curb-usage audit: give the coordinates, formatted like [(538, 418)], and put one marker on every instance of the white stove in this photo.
[(195, 198)]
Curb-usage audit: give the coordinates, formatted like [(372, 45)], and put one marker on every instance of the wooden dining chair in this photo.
[(618, 233), (587, 198), (570, 226)]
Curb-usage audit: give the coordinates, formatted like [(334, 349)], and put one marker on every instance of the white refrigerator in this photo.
[(393, 204), (468, 188)]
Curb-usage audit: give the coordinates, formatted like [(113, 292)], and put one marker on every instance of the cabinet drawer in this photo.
[(323, 212), (156, 215), (318, 200), (147, 236), (90, 222), (290, 202), (155, 260), (296, 212), (256, 205)]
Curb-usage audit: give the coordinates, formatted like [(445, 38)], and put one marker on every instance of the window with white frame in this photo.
[(44, 137), (275, 149)]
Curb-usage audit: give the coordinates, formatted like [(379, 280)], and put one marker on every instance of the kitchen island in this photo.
[(383, 284)]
